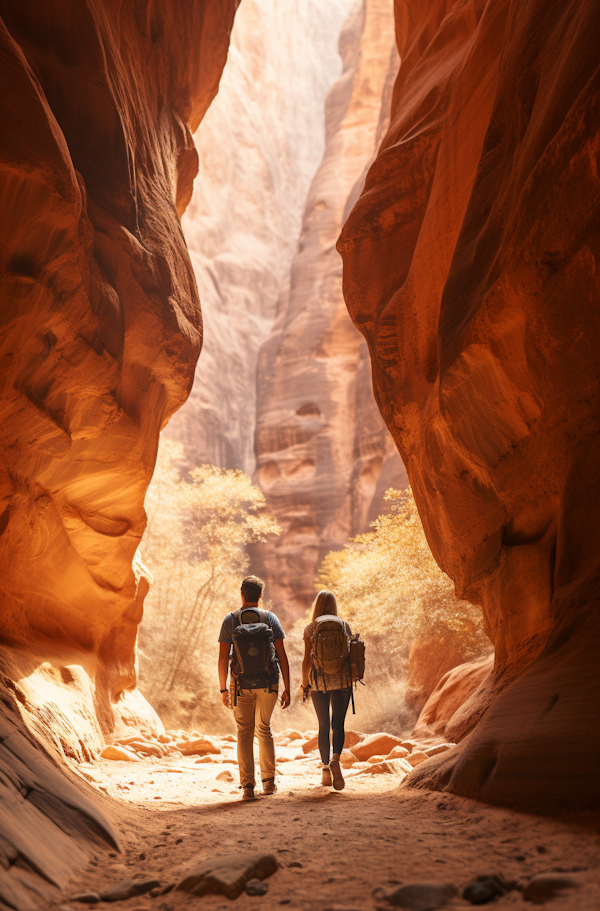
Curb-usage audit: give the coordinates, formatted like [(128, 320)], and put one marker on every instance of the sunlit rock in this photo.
[(470, 268), (100, 322)]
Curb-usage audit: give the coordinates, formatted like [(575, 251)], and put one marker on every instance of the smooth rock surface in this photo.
[(375, 744), (470, 268), (457, 702), (101, 326)]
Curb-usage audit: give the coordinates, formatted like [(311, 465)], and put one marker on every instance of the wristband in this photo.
[(223, 691)]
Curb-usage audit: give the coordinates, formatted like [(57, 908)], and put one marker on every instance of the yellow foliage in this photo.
[(193, 546), (387, 583)]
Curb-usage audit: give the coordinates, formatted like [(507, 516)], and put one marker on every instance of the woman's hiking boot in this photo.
[(326, 779), (336, 770), (269, 786), (248, 792)]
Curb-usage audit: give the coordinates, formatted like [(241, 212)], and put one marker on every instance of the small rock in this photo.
[(199, 745), (399, 752), (225, 776), (483, 890), (341, 908), (285, 901), (227, 874), (128, 889), (162, 890), (375, 744), (256, 887), (547, 885), (295, 863), (422, 896), (88, 898), (205, 759), (119, 754)]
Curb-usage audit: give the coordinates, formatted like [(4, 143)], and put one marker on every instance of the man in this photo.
[(254, 706)]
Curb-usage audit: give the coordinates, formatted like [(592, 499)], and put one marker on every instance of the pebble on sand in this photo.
[(227, 874), (119, 753), (427, 896), (547, 885), (128, 889), (483, 890), (256, 887)]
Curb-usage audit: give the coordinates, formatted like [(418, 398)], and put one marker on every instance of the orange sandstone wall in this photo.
[(100, 323), (470, 266)]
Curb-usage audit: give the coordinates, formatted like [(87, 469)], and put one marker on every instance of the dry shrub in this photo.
[(197, 527)]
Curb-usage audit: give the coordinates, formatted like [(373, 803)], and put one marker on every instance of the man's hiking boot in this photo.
[(326, 777), (248, 793), (269, 786), (338, 779)]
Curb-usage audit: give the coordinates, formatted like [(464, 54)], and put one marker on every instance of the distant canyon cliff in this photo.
[(283, 387)]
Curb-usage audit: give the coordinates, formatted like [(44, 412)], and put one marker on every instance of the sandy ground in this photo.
[(375, 833)]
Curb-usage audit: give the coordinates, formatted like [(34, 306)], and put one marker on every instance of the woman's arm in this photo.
[(306, 662)]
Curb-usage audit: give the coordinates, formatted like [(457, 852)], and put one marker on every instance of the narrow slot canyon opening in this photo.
[(304, 292)]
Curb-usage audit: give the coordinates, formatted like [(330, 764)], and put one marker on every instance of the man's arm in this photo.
[(223, 670), (285, 672)]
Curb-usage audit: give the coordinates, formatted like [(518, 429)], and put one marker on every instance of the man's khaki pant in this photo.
[(254, 709)]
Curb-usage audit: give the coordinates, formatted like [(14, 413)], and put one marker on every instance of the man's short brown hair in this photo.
[(252, 588)]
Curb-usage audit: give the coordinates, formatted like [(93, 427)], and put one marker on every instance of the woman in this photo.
[(328, 691)]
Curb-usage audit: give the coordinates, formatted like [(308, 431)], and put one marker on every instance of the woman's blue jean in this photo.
[(338, 701)]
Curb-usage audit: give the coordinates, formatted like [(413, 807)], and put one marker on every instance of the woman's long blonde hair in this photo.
[(324, 603)]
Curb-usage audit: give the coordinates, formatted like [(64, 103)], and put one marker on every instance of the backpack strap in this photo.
[(238, 619)]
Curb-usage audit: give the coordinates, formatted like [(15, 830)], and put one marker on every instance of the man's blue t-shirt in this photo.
[(226, 634)]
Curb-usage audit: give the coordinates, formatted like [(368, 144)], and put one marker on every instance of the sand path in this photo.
[(173, 813)]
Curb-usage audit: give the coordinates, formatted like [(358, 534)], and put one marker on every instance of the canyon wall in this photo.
[(100, 331), (470, 268), (324, 456), (259, 147)]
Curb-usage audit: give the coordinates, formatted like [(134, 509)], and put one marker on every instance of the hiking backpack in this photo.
[(334, 652), (330, 646), (254, 657)]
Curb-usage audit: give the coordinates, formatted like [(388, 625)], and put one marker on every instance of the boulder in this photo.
[(227, 874), (417, 757), (199, 746), (376, 744), (399, 752)]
